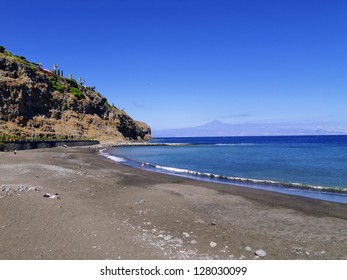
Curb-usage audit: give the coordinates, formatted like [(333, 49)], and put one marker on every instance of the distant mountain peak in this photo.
[(214, 123), (218, 128)]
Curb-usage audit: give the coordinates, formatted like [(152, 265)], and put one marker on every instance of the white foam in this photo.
[(113, 158), (172, 169)]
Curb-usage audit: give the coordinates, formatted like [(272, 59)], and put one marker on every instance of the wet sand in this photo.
[(109, 211)]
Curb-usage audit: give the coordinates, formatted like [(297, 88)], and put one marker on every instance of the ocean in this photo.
[(310, 166)]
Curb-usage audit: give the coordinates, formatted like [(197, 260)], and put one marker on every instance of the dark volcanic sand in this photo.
[(110, 211)]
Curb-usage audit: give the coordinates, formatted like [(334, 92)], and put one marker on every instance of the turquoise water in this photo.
[(313, 166)]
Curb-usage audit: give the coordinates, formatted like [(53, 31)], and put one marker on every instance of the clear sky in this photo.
[(181, 63)]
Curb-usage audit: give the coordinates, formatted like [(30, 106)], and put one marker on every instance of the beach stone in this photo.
[(260, 253), (191, 252), (178, 240), (199, 221), (247, 248), (297, 250), (168, 237), (193, 242), (213, 244), (185, 234)]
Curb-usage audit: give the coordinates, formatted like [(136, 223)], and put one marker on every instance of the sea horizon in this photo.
[(250, 136)]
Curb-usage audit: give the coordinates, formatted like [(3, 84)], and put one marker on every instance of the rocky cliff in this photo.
[(36, 103)]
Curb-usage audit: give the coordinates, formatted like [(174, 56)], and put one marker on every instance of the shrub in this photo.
[(53, 78), (73, 83), (2, 49), (77, 93), (56, 85)]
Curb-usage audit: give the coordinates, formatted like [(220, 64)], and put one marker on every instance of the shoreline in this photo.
[(329, 194), (110, 211)]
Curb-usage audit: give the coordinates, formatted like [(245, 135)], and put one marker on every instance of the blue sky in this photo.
[(182, 63)]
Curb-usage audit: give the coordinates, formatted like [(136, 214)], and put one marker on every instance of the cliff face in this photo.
[(37, 103)]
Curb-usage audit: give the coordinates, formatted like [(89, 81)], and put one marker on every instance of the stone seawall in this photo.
[(24, 145)]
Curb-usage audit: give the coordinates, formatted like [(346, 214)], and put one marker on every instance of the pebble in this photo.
[(260, 253), (213, 244), (185, 234), (168, 237), (178, 240), (193, 242), (199, 221), (247, 248)]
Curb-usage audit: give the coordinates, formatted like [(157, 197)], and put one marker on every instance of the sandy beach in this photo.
[(99, 209)]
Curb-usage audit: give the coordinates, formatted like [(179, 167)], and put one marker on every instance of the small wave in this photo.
[(171, 169), (298, 186), (113, 158)]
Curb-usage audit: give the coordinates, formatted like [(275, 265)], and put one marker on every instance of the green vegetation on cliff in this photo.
[(56, 85), (77, 93)]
